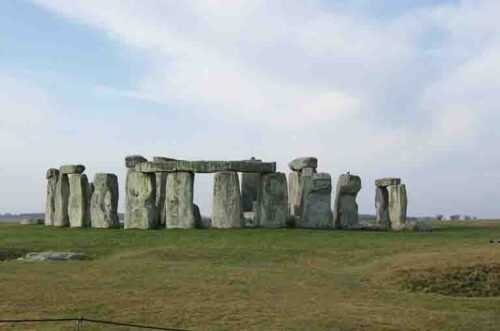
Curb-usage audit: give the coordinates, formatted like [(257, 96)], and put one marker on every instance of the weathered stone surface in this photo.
[(179, 201), (132, 160), (294, 193), (160, 197), (78, 207), (272, 201), (162, 159), (345, 209), (387, 181), (206, 166), (61, 201), (31, 221), (381, 207), (303, 162), (200, 221), (50, 202), (72, 169), (104, 202), (226, 211), (418, 226), (53, 256), (316, 202), (249, 188), (398, 203), (140, 201), (51, 173), (250, 219)]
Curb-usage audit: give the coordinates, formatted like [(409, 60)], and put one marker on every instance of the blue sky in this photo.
[(379, 88)]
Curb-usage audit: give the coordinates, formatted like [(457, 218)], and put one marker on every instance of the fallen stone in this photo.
[(303, 162), (53, 256), (31, 221), (78, 206), (316, 203), (381, 206), (417, 226), (345, 206), (226, 211), (249, 188), (72, 169), (140, 197), (132, 160), (495, 241), (61, 201), (272, 201), (398, 203), (179, 201), (50, 202), (206, 166), (384, 182), (104, 202)]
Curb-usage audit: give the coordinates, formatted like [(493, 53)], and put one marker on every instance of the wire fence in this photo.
[(80, 322)]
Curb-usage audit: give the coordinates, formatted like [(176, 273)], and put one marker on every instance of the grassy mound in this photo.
[(478, 280)]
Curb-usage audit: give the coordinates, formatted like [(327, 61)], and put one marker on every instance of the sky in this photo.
[(395, 88)]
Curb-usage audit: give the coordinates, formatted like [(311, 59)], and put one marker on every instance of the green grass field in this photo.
[(255, 279)]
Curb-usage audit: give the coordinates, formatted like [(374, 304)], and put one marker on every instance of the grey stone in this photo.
[(72, 169), (398, 203), (249, 188), (53, 256), (199, 221), (345, 208), (294, 193), (132, 160), (104, 202), (78, 207), (51, 173), (418, 226), (316, 202), (140, 201), (206, 166), (381, 207), (50, 202), (31, 221), (161, 189), (162, 159), (303, 162), (387, 181), (226, 211), (250, 219), (272, 201), (61, 201), (179, 201)]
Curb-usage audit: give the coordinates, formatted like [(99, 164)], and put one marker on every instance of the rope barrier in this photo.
[(80, 321)]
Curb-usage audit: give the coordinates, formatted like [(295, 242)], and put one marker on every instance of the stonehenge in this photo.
[(345, 208), (160, 194), (390, 203)]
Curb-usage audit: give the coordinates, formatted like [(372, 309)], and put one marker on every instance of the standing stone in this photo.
[(272, 201), (249, 188), (50, 203), (179, 201), (226, 211), (345, 207), (381, 207), (398, 203), (294, 193), (78, 208), (104, 202), (316, 202), (141, 210), (61, 201), (161, 189)]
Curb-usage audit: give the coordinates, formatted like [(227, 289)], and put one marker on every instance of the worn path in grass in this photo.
[(247, 279)]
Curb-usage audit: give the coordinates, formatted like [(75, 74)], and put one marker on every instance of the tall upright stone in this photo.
[(345, 208), (250, 182), (160, 196), (50, 202), (272, 201), (78, 208), (398, 203), (383, 202), (294, 193), (141, 197), (61, 201), (381, 207), (226, 211), (179, 201), (104, 202), (316, 202)]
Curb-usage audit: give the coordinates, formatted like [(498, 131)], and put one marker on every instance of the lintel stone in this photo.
[(132, 160), (387, 181), (303, 162), (72, 169), (206, 166)]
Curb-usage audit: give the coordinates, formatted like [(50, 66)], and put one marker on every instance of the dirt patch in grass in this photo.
[(11, 253), (477, 280)]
